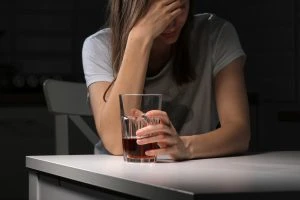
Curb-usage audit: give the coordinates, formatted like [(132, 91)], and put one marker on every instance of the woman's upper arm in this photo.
[(231, 94), (96, 92), (97, 69)]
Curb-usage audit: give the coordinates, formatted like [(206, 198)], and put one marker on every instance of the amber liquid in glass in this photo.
[(133, 150)]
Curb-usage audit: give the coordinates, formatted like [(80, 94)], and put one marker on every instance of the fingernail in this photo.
[(139, 141), (148, 153), (138, 132)]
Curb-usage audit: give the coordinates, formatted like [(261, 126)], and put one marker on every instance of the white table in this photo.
[(274, 174)]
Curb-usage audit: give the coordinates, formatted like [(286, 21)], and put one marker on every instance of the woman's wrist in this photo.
[(143, 39), (187, 142)]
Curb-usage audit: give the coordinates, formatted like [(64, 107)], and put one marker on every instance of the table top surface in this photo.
[(263, 172)]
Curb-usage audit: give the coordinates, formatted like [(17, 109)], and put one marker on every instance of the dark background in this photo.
[(42, 39)]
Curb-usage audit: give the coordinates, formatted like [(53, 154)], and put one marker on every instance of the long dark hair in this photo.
[(122, 16), (182, 69)]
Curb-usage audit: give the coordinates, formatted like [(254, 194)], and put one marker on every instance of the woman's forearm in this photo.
[(227, 140), (130, 79)]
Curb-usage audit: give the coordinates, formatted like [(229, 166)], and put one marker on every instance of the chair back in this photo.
[(68, 101), (64, 97)]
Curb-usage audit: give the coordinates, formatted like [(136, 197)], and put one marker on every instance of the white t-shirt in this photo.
[(214, 43)]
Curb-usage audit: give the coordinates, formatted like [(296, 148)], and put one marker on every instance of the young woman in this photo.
[(195, 61)]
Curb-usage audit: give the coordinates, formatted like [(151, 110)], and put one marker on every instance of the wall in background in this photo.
[(42, 39), (39, 39)]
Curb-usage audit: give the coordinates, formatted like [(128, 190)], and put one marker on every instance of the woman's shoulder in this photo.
[(101, 36), (209, 21)]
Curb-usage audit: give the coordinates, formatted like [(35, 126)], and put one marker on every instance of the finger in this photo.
[(173, 5), (161, 151), (169, 2), (173, 11), (135, 112), (161, 145), (161, 114), (153, 130), (167, 140), (170, 7)]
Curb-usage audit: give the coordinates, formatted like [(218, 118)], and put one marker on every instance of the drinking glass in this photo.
[(132, 111)]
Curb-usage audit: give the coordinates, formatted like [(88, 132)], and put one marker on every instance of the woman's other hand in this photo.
[(160, 14), (165, 135)]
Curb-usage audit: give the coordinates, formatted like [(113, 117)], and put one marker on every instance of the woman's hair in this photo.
[(122, 16), (182, 69)]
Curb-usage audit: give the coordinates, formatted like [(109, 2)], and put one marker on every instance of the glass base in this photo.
[(140, 160)]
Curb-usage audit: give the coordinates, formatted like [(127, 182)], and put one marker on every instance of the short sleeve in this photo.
[(96, 58), (227, 47)]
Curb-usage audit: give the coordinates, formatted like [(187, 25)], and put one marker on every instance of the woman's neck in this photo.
[(159, 56)]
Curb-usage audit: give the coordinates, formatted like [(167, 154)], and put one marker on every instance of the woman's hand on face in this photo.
[(160, 14), (165, 135)]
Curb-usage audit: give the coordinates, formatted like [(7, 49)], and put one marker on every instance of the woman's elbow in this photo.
[(245, 141), (115, 150), (112, 142), (112, 145)]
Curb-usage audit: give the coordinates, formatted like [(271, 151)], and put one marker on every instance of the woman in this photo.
[(195, 61)]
